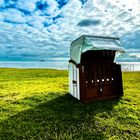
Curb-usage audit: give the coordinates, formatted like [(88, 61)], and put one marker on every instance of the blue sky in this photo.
[(43, 29)]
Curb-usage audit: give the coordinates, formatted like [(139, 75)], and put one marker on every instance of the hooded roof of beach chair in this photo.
[(87, 42)]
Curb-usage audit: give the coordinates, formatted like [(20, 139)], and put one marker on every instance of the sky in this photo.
[(34, 30)]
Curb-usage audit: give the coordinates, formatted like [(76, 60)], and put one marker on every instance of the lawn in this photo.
[(35, 105)]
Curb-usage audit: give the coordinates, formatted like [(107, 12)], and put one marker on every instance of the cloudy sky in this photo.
[(43, 29)]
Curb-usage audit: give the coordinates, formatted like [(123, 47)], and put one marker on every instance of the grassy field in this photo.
[(35, 105)]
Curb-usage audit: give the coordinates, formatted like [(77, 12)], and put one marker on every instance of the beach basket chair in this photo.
[(93, 74)]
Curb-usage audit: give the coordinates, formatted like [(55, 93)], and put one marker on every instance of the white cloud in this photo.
[(12, 15), (135, 55), (116, 18), (26, 5), (53, 6), (2, 3)]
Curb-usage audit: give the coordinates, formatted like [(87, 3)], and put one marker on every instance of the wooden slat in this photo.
[(95, 73)]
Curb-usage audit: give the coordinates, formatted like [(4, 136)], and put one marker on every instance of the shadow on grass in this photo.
[(62, 117)]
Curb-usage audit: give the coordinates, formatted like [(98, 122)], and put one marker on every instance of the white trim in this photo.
[(74, 88)]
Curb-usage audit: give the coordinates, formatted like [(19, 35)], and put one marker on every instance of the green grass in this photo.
[(35, 104)]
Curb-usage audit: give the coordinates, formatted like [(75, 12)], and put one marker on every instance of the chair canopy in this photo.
[(87, 42)]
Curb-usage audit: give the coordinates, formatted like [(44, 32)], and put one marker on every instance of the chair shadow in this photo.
[(63, 117)]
